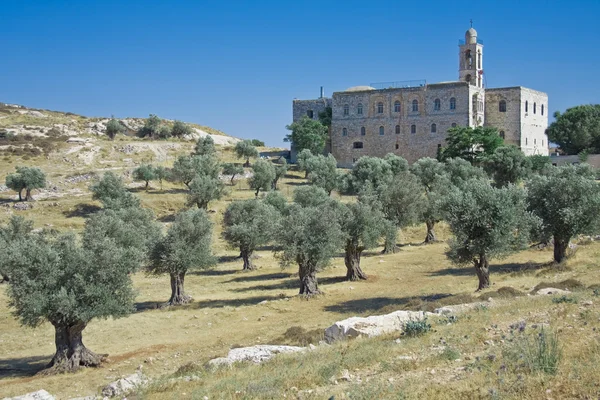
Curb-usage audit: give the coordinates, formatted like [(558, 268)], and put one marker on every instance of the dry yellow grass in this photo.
[(228, 311)]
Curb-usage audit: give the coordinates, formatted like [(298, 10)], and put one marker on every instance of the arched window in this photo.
[(469, 58), (346, 109), (415, 105), (381, 131), (397, 129), (397, 146), (526, 106), (433, 128), (363, 131), (309, 114), (380, 108), (437, 104), (344, 132), (359, 109), (454, 124), (453, 103), (502, 106), (357, 145), (396, 106), (468, 78), (413, 129), (534, 107), (542, 109), (502, 135)]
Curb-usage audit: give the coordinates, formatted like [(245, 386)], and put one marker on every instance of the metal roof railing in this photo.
[(461, 42), (399, 84)]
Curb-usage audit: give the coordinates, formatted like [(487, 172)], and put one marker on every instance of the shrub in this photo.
[(416, 327), (535, 353), (564, 299)]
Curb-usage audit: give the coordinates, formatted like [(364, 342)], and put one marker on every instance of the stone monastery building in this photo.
[(411, 119)]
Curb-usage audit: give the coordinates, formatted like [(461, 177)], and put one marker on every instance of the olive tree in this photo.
[(567, 201), (233, 170), (471, 144), (15, 182), (11, 235), (540, 164), (153, 127), (28, 179), (303, 161), (248, 224), (181, 129), (323, 172), (308, 134), (276, 200), (204, 189), (69, 283), (184, 170), (112, 193), (280, 170), (186, 245), (161, 173), (508, 164), (487, 222), (205, 145), (263, 175), (245, 149), (460, 171), (144, 173), (374, 172), (432, 175), (310, 237), (114, 127), (577, 129), (362, 226)]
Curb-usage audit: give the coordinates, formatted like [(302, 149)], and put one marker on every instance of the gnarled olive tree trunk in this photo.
[(430, 237), (247, 257), (178, 295), (307, 272), (28, 196), (391, 236), (560, 248), (70, 350), (352, 261), (482, 267), (21, 195)]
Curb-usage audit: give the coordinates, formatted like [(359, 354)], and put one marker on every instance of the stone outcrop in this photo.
[(255, 354), (39, 395), (372, 326), (551, 291), (124, 385)]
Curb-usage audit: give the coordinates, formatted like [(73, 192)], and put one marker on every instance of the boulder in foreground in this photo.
[(255, 354)]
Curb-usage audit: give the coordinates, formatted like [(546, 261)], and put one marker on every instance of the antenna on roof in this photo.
[(471, 21), (322, 93)]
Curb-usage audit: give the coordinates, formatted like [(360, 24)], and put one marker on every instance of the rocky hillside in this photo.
[(20, 120)]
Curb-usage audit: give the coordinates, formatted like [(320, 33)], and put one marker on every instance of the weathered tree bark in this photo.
[(308, 279), (256, 194), (178, 295), (560, 249), (247, 257), (247, 163), (232, 177), (391, 235), (352, 261), (71, 353), (482, 267), (21, 195), (430, 238), (28, 196), (147, 183)]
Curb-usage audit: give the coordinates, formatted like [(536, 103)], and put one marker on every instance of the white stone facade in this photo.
[(413, 121)]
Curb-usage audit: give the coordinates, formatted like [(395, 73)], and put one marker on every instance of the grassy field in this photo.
[(472, 357)]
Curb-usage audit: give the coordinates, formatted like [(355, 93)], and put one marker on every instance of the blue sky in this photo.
[(237, 65)]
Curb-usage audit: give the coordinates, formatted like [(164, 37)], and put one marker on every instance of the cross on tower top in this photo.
[(471, 21)]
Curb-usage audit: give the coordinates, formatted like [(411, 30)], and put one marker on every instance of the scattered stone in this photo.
[(459, 308), (587, 303), (76, 140), (551, 291), (39, 395), (371, 326), (22, 206), (255, 354), (124, 385), (345, 376)]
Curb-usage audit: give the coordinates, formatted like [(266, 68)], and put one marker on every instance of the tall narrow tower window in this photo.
[(478, 60), (502, 135), (380, 108), (468, 78), (397, 129), (344, 132), (413, 129), (363, 131), (309, 114), (542, 109), (397, 106), (534, 107), (453, 103), (381, 131), (346, 109), (502, 106), (437, 105), (359, 109), (415, 106), (469, 58), (433, 128), (526, 106)]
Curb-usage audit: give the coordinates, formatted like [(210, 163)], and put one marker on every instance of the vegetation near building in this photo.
[(507, 165), (233, 170), (471, 144), (263, 176), (185, 246), (307, 134), (567, 200), (324, 173), (246, 150), (302, 160), (577, 129), (281, 169)]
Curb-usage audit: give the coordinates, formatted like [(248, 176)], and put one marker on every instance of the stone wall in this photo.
[(301, 108)]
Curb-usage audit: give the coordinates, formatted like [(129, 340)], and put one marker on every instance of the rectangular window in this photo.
[(310, 114), (357, 145)]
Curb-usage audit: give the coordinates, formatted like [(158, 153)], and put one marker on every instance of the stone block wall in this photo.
[(301, 108)]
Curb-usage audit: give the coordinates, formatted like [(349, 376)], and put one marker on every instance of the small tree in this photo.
[(186, 245), (309, 237), (258, 143), (263, 176), (577, 129), (507, 165), (397, 163), (311, 196), (363, 226), (204, 189), (11, 237), (487, 223), (152, 127), (248, 224), (114, 127), (161, 173), (181, 129), (323, 172), (373, 172), (15, 182), (567, 201), (280, 170), (69, 283), (205, 146), (308, 134), (460, 171), (183, 170), (471, 144), (432, 175), (113, 194), (233, 170), (245, 149), (540, 164), (303, 161), (276, 200), (144, 173)]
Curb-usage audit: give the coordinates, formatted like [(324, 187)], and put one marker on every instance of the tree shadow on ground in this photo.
[(287, 284), (82, 210), (175, 191), (263, 277), (167, 218), (213, 272), (268, 248), (219, 303), (331, 280), (290, 176), (389, 304), (298, 183), (507, 268), (23, 366)]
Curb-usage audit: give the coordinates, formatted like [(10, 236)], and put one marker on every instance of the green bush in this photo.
[(564, 299), (416, 327), (539, 352)]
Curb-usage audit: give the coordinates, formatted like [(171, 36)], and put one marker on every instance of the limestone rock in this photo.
[(255, 354), (459, 308), (39, 395), (549, 291), (124, 385), (371, 326)]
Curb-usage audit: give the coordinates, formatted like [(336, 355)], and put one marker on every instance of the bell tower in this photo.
[(470, 59)]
